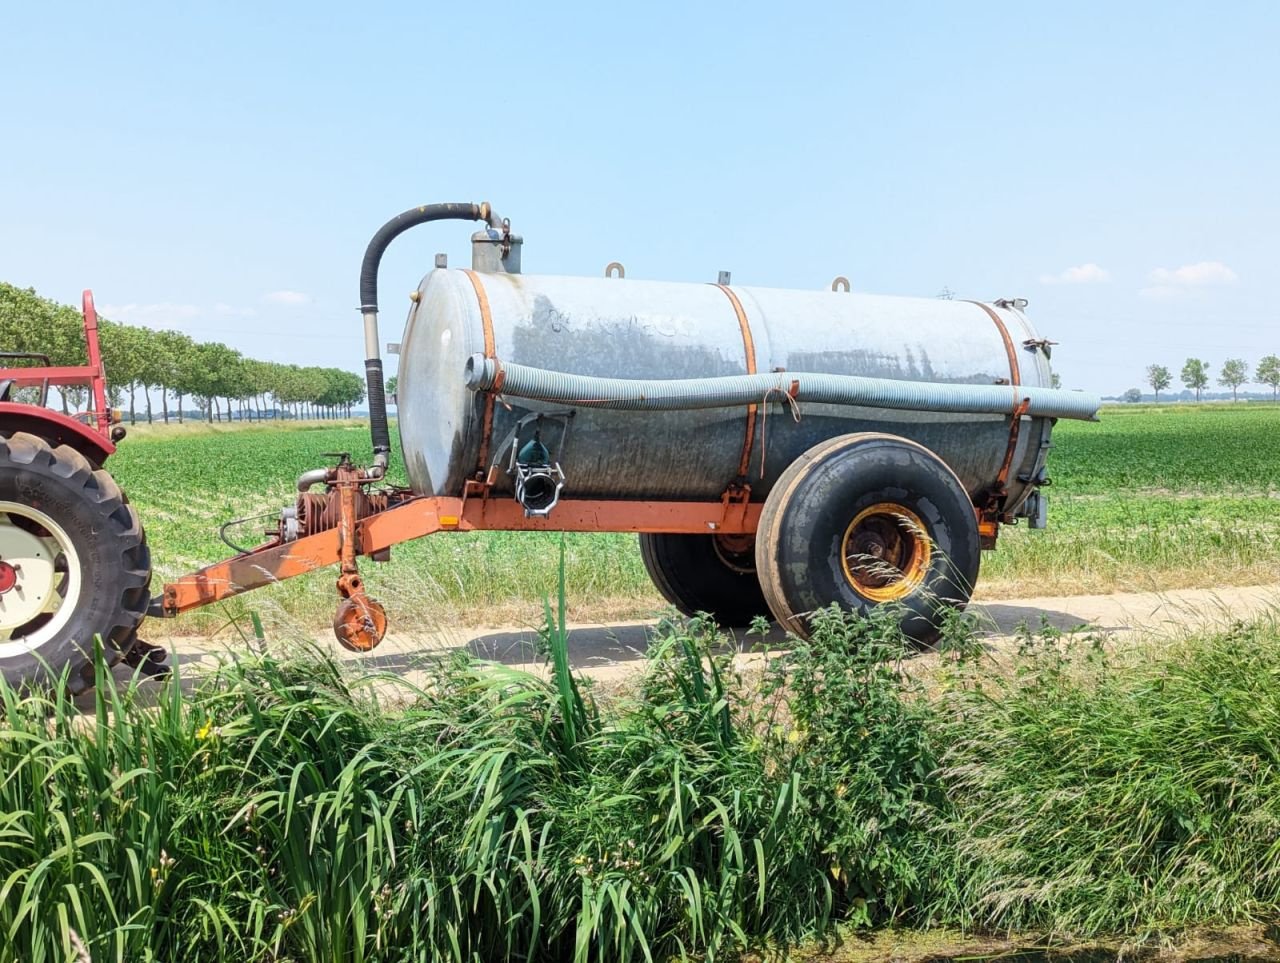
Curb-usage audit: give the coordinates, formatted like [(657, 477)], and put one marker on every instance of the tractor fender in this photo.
[(56, 428)]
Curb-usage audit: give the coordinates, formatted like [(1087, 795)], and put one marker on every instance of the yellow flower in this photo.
[(203, 732)]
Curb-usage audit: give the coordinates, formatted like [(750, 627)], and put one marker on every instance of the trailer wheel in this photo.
[(715, 574), (74, 564), (867, 520)]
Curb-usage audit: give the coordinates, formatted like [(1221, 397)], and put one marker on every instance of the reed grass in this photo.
[(297, 809)]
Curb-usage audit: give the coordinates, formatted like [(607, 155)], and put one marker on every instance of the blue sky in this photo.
[(219, 168)]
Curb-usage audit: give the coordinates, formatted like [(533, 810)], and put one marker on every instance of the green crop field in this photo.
[(1153, 497)]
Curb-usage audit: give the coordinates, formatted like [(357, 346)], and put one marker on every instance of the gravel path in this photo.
[(610, 652)]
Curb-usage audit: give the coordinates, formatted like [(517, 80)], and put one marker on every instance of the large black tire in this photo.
[(866, 520), (697, 573), (107, 546)]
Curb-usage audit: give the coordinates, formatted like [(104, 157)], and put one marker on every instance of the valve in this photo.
[(538, 481)]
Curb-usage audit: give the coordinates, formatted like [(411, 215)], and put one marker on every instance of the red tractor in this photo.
[(74, 562)]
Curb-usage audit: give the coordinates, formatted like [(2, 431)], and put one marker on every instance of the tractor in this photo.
[(74, 563)]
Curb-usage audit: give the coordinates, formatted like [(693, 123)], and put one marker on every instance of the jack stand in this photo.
[(360, 622)]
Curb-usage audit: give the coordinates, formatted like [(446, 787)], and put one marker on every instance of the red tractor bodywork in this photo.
[(90, 432)]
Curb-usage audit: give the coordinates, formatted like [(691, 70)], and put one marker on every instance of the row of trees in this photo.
[(1234, 374), (220, 380)]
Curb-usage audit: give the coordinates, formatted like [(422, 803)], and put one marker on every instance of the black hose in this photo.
[(378, 429), (401, 223)]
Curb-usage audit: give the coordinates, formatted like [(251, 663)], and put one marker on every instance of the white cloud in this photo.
[(1194, 275), (231, 311), (1080, 274), (286, 297)]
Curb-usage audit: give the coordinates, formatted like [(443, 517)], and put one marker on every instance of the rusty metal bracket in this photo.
[(736, 500), (991, 509)]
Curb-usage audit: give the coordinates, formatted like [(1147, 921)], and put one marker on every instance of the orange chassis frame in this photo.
[(426, 515)]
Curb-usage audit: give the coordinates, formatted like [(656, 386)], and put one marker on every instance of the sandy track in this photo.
[(610, 652)]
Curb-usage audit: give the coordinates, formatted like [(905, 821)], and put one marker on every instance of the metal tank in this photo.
[(777, 452), (633, 329)]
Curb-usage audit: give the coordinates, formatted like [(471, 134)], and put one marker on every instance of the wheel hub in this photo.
[(886, 552), (40, 578), (737, 552), (26, 575)]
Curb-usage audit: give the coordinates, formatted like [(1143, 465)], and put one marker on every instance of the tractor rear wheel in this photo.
[(74, 564), (715, 574)]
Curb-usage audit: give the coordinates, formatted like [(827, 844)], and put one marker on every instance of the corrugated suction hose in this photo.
[(627, 394)]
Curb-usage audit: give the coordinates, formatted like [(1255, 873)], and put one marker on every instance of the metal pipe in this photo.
[(378, 429), (623, 394), (309, 479)]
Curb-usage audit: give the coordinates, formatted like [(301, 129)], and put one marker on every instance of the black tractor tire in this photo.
[(706, 573), (110, 548), (866, 520)]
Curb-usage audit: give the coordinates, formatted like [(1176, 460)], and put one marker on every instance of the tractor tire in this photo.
[(706, 573), (866, 520), (74, 565)]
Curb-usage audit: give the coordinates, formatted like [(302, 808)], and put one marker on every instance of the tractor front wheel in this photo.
[(74, 564)]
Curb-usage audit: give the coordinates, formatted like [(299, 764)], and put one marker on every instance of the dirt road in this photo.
[(610, 652)]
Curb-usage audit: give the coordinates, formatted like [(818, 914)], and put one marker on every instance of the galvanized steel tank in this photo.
[(627, 328)]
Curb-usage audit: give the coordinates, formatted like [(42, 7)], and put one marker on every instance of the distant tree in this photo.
[(1133, 395), (176, 361), (124, 356), (1268, 373), (390, 389), (1159, 378), (1055, 380), (1235, 372), (1195, 375)]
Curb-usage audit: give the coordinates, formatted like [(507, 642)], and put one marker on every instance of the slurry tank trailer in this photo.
[(777, 451)]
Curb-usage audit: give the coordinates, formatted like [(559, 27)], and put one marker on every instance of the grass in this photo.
[(285, 809), (1153, 498), (1097, 792)]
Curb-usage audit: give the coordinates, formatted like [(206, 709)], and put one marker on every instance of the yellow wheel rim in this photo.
[(886, 552)]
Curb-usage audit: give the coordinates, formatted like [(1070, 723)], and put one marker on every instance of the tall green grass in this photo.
[(284, 810), (1096, 792), (289, 809)]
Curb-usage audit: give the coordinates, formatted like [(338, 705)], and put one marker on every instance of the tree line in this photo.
[(1196, 376), (220, 380)]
